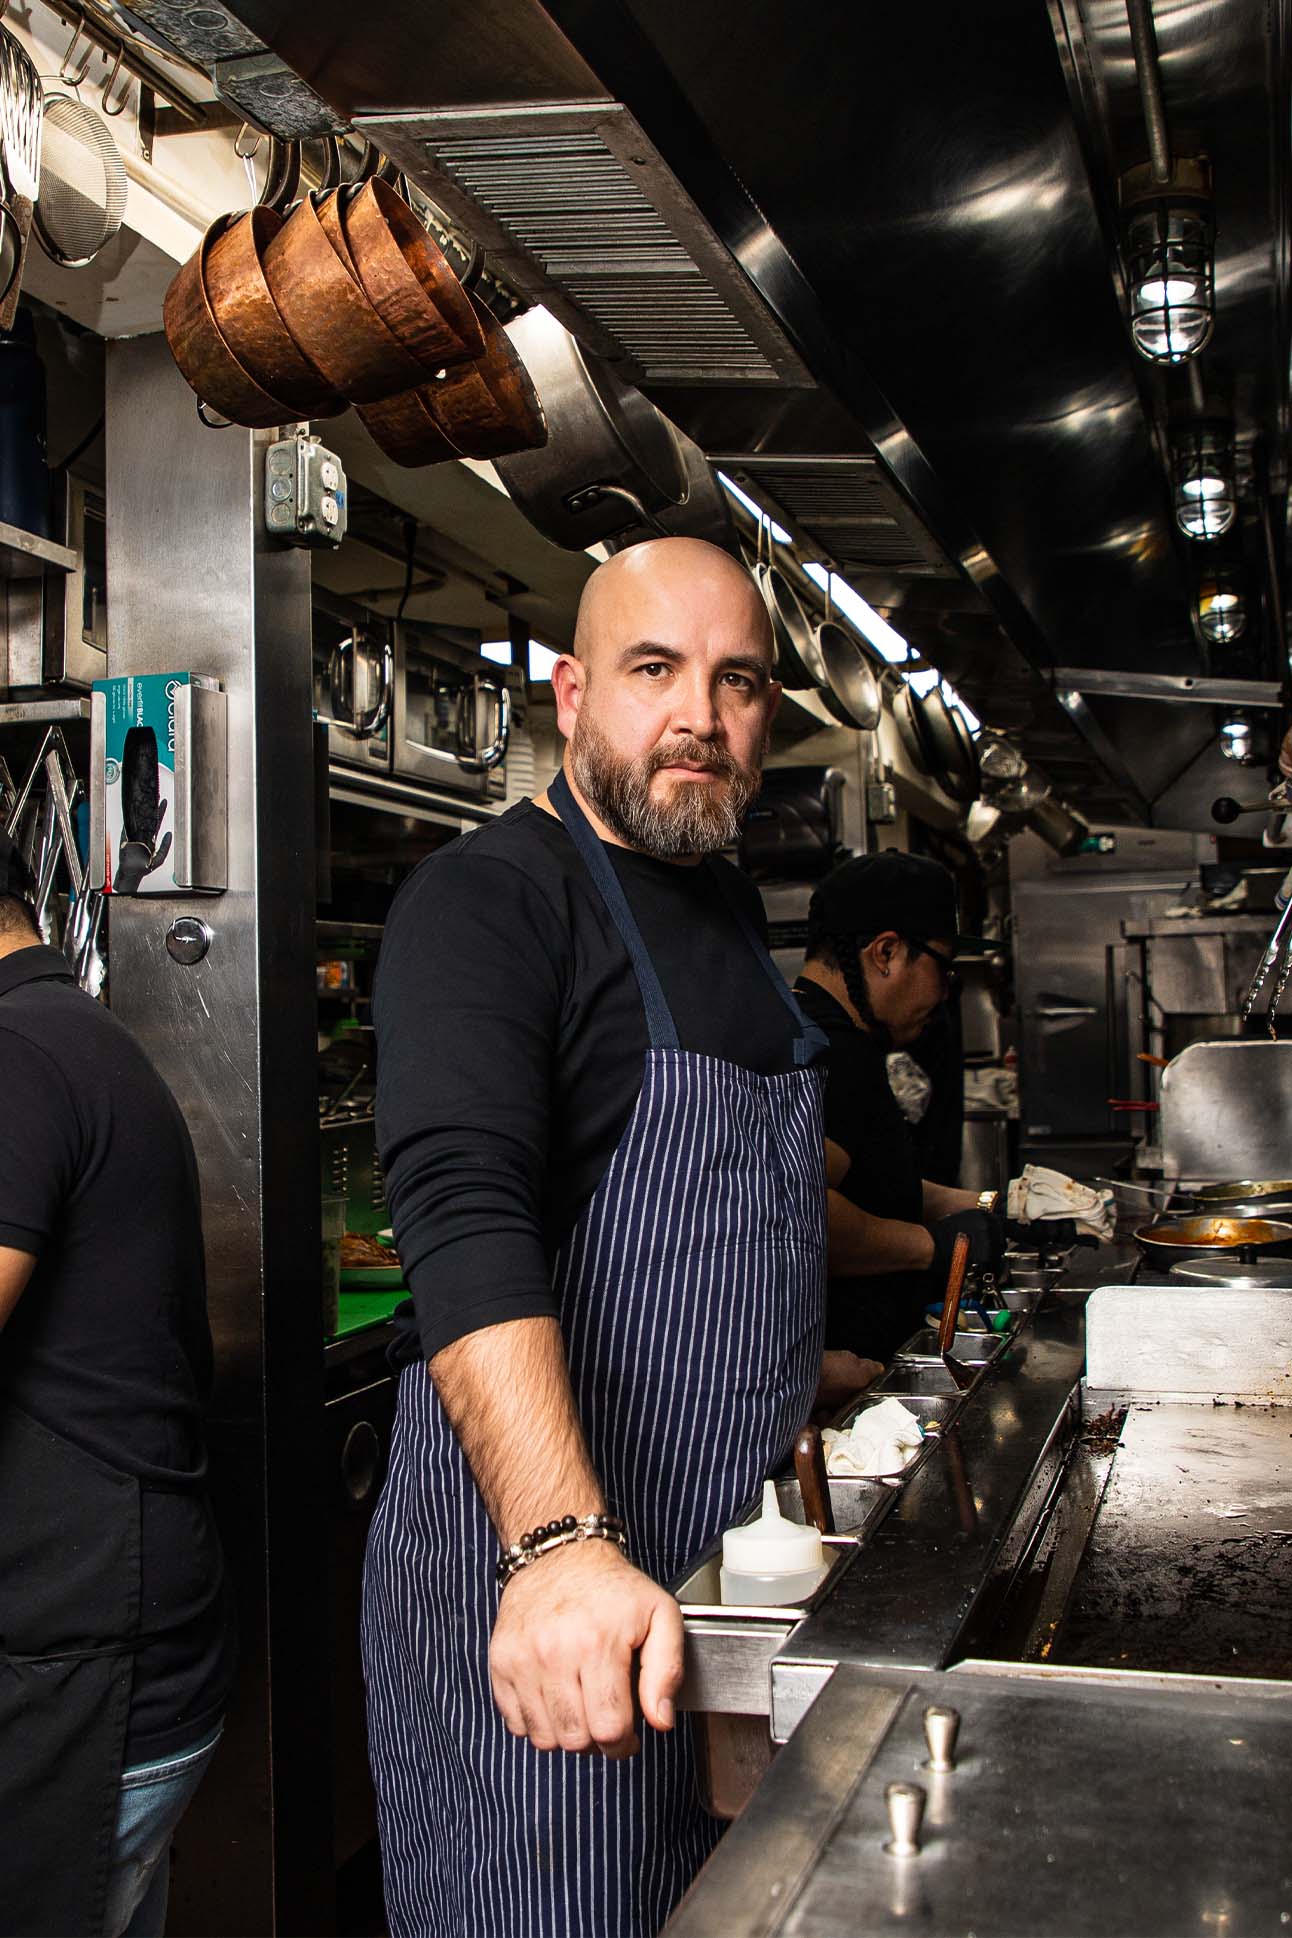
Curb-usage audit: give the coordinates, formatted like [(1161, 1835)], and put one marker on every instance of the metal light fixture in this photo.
[(1236, 739), (1169, 237), (1202, 463), (1222, 610)]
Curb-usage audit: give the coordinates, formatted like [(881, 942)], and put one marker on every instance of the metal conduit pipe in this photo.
[(1144, 43)]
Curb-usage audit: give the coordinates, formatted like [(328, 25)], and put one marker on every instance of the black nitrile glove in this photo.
[(138, 858), (986, 1233)]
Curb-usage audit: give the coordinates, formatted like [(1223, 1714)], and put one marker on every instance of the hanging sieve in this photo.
[(82, 183)]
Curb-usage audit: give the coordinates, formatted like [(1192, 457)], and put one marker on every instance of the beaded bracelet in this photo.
[(559, 1534)]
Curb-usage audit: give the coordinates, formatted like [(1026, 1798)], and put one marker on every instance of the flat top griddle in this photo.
[(1189, 1564)]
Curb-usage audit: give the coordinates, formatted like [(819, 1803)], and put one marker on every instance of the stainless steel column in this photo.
[(197, 586)]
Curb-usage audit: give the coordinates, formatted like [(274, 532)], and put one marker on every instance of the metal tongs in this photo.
[(52, 838), (1277, 960)]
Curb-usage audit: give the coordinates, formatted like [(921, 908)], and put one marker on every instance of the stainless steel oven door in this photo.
[(354, 683), (452, 715)]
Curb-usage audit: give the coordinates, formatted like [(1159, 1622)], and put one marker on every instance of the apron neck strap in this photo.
[(659, 1018), (810, 1043)]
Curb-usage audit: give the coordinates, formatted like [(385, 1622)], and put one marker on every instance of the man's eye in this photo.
[(742, 680), (653, 667)]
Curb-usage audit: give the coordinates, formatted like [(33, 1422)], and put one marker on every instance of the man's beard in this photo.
[(697, 818)]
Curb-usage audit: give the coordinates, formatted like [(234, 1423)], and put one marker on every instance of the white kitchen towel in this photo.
[(1039, 1194), (881, 1440)]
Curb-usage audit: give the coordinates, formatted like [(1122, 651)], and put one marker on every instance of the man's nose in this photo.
[(694, 711)]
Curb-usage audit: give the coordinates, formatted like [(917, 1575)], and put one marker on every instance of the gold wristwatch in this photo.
[(988, 1200)]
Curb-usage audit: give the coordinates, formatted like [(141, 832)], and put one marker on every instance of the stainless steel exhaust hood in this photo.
[(578, 208)]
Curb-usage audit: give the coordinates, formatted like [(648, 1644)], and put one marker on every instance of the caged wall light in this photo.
[(1169, 239)]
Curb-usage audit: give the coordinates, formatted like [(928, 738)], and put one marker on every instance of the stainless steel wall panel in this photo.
[(197, 586)]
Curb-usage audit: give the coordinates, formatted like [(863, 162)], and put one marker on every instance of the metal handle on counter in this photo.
[(480, 761), (814, 1486)]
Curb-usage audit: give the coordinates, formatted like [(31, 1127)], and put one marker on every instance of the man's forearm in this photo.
[(861, 1245), (944, 1200), (506, 1390)]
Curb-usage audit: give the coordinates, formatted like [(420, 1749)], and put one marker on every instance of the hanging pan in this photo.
[(906, 712), (851, 690), (953, 758), (798, 660)]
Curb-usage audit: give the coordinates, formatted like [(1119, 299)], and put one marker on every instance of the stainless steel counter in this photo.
[(1079, 1806), (1103, 1601)]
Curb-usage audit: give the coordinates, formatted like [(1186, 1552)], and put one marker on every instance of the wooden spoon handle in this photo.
[(809, 1468), (955, 1286)]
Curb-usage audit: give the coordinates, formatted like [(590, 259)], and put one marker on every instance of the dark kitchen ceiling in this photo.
[(944, 396)]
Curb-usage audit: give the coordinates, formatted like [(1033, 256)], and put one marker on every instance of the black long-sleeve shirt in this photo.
[(511, 1040)]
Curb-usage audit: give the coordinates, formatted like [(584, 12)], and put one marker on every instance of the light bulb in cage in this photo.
[(1169, 243), (1236, 738), (1202, 464), (1222, 610)]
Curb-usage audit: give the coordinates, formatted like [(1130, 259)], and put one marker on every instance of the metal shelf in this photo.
[(25, 556)]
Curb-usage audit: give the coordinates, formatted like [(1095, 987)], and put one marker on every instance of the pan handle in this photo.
[(590, 495)]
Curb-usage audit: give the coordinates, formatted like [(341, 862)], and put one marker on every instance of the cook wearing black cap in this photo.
[(883, 932)]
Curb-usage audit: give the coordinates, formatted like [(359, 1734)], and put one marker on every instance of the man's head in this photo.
[(886, 926), (668, 697), (17, 920)]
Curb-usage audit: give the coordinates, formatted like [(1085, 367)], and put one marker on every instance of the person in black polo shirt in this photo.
[(882, 934), (115, 1639)]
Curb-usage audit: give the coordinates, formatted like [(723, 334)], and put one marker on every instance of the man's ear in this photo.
[(569, 684), (886, 949)]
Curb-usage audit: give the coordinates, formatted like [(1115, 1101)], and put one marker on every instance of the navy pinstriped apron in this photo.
[(691, 1300)]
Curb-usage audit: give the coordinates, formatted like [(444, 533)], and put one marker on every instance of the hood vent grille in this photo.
[(572, 201), (847, 504)]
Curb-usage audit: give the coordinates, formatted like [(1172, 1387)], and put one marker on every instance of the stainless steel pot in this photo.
[(611, 459), (1235, 1274), (705, 512)]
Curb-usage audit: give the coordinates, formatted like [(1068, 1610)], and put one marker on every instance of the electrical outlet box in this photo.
[(881, 803), (305, 492)]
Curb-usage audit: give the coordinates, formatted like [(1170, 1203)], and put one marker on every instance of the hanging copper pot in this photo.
[(249, 322)]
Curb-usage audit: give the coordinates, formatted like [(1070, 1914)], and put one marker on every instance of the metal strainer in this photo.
[(82, 183)]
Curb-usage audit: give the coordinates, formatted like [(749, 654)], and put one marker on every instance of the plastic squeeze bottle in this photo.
[(771, 1560)]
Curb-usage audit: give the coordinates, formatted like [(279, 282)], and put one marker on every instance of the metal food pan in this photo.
[(856, 1504), (906, 1377), (970, 1348), (699, 1590)]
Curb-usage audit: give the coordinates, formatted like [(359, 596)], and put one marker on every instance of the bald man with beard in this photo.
[(599, 1111)]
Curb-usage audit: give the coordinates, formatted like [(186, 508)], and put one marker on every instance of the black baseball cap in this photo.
[(910, 894), (15, 876)]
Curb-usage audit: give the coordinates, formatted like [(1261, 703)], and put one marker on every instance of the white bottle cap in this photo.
[(771, 1545)]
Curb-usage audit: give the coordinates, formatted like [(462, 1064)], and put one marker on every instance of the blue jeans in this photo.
[(154, 1796)]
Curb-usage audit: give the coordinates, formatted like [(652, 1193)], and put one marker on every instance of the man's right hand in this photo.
[(569, 1630)]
